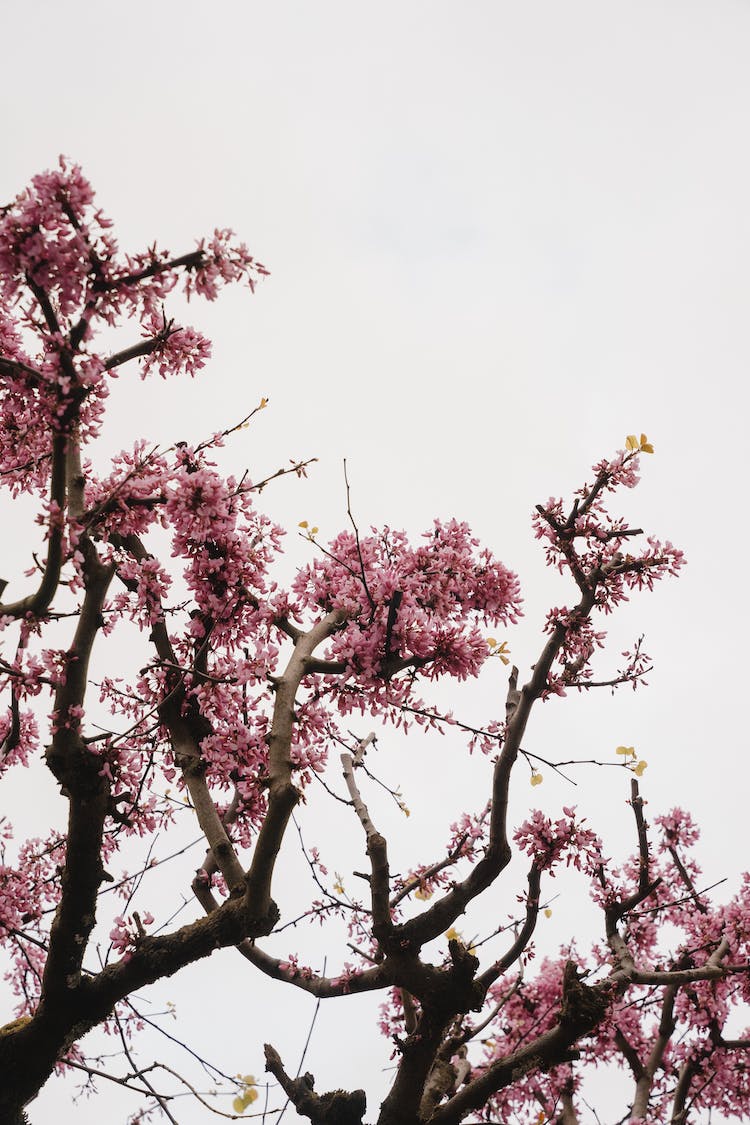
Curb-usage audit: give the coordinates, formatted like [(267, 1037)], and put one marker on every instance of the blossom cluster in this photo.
[(596, 549), (127, 930), (217, 630), (707, 1036), (62, 278), (28, 888), (410, 605), (548, 842)]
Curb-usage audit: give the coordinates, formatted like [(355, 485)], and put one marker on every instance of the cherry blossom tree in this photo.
[(248, 697)]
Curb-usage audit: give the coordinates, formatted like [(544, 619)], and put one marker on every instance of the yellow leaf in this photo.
[(302, 523), (244, 1100), (625, 751), (505, 659), (536, 778), (250, 1080), (491, 642), (638, 770), (646, 447), (548, 913), (314, 531), (453, 934), (263, 404), (631, 442), (423, 894)]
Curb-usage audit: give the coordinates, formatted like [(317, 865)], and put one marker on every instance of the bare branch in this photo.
[(337, 1106), (377, 847), (524, 935), (282, 795)]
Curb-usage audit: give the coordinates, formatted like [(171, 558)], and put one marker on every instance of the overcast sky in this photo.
[(501, 237)]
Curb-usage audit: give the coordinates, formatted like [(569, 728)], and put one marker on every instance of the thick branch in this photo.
[(629, 1053), (10, 366), (418, 1055), (682, 1089), (186, 729), (136, 351), (524, 935), (583, 1009), (519, 704), (325, 988), (282, 794), (445, 1076), (189, 261), (568, 1115), (29, 1049), (664, 1034), (377, 849), (338, 1107), (78, 771), (274, 967), (45, 305)]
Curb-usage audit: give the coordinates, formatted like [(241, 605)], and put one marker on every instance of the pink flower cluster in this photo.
[(678, 926), (596, 549), (549, 842), (218, 629), (410, 607), (28, 889), (126, 931), (61, 278)]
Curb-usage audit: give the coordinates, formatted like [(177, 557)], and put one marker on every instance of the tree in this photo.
[(247, 689)]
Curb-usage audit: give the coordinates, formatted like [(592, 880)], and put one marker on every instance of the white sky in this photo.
[(502, 236)]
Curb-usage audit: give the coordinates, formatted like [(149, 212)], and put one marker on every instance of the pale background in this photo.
[(502, 236)]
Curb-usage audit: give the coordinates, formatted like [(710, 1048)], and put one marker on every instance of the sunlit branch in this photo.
[(282, 794), (377, 848)]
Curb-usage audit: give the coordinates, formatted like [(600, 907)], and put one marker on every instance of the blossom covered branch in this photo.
[(239, 692)]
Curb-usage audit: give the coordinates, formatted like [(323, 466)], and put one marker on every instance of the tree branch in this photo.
[(524, 935), (519, 704), (583, 1008), (187, 728), (282, 794), (78, 770), (338, 1107), (377, 847), (137, 351)]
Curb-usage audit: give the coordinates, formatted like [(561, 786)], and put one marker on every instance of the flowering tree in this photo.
[(247, 689)]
